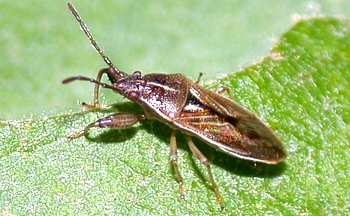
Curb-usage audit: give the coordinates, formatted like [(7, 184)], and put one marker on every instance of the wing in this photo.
[(229, 127)]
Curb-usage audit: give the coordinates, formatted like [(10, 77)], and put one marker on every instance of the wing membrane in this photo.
[(229, 127)]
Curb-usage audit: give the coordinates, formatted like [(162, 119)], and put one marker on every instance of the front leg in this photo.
[(113, 76), (115, 121), (110, 73)]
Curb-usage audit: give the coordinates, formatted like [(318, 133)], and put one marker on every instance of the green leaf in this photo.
[(301, 89)]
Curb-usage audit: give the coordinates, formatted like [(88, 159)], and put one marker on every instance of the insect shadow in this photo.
[(231, 164)]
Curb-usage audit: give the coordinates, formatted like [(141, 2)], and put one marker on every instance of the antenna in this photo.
[(104, 85), (85, 29)]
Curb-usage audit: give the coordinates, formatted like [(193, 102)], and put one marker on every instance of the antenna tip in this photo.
[(70, 6)]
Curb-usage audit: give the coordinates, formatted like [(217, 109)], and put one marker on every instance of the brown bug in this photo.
[(186, 107)]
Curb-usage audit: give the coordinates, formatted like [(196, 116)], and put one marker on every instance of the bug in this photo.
[(188, 108)]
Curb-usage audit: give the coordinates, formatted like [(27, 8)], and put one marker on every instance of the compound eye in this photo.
[(137, 73), (133, 94)]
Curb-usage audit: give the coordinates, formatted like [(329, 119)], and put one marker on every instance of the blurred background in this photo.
[(41, 44)]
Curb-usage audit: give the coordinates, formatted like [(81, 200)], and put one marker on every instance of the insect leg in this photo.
[(115, 121), (223, 89), (199, 78), (111, 74), (196, 152), (173, 158)]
